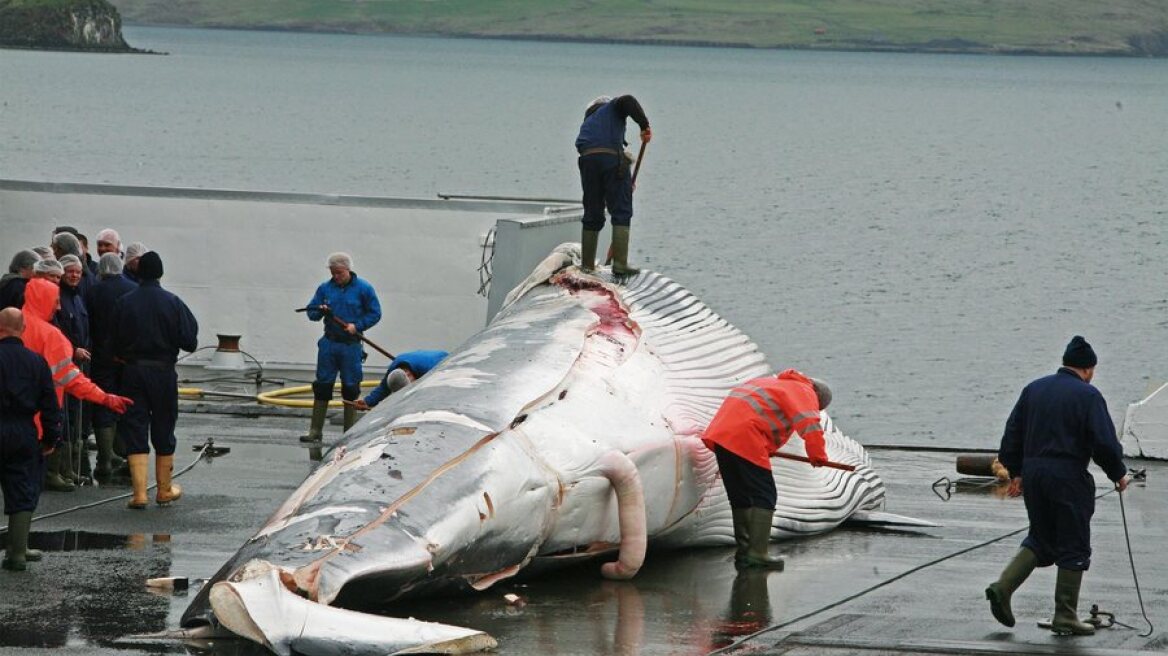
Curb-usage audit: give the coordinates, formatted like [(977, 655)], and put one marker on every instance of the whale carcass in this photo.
[(567, 429)]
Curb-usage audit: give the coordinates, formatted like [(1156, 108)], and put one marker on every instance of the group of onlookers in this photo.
[(108, 336), (82, 311)]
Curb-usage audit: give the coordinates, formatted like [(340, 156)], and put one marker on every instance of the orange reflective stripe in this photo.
[(68, 377), (757, 397)]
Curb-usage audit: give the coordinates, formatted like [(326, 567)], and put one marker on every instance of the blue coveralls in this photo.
[(605, 180), (420, 362), (1059, 424), (152, 325), (105, 371), (338, 351), (26, 388), (73, 320)]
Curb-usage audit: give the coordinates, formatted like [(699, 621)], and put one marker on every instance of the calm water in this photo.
[(926, 232)]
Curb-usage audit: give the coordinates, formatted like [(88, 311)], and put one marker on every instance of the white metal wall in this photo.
[(243, 261)]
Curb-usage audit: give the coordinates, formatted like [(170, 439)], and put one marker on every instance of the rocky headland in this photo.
[(89, 25)]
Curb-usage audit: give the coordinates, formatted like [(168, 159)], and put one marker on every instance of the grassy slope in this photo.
[(1062, 26)]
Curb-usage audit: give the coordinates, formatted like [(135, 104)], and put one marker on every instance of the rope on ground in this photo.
[(775, 627), (1132, 559), (101, 502)]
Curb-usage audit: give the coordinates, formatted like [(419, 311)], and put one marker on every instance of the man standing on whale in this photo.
[(605, 176)]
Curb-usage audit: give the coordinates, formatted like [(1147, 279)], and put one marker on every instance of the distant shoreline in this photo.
[(947, 49)]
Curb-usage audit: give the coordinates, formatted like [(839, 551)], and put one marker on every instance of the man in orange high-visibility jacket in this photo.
[(754, 422), (41, 300)]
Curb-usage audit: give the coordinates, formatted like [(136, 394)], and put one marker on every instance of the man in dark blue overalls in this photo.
[(349, 307), (605, 176), (26, 388), (152, 326), (106, 372), (1059, 424)]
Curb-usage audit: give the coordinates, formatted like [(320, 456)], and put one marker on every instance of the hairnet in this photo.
[(69, 260), (110, 264), (822, 391), (67, 243), (598, 101), (45, 252), (110, 235), (23, 260), (340, 260), (135, 250), (49, 266)]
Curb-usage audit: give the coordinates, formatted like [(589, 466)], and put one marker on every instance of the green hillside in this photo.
[(1120, 27)]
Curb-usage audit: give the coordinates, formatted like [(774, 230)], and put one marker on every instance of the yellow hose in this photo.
[(276, 397)]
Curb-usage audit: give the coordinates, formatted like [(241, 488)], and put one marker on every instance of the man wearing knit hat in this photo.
[(152, 326), (1059, 424)]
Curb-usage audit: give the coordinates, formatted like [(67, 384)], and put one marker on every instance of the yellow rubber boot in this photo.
[(167, 490), (139, 477)]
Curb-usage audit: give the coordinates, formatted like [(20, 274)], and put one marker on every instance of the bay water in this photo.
[(926, 232)]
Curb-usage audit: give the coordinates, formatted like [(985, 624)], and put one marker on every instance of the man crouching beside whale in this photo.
[(753, 423)]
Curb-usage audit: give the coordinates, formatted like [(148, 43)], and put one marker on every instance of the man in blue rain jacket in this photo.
[(405, 369), (349, 306)]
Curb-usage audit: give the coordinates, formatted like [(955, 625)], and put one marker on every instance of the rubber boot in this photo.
[(620, 252), (316, 428), (16, 555), (741, 533), (350, 417), (999, 592), (139, 475), (53, 480), (588, 242), (1066, 605), (65, 463), (107, 462), (758, 528), (163, 471), (81, 461)]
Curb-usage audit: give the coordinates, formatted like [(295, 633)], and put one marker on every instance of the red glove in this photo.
[(118, 404)]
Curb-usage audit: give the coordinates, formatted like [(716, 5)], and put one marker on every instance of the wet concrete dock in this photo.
[(850, 591)]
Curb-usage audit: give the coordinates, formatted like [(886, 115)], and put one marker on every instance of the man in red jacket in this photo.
[(41, 300), (754, 422)]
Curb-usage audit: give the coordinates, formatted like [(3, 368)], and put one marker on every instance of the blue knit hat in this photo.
[(1079, 354)]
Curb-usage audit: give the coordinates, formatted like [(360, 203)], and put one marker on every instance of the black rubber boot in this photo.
[(349, 417), (620, 252), (588, 242), (741, 533), (999, 592), (759, 531), (1066, 605)]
